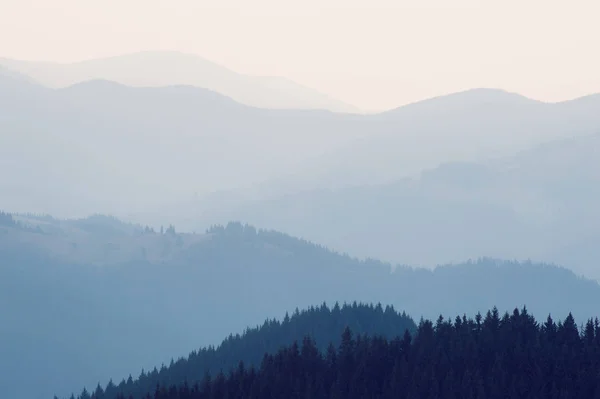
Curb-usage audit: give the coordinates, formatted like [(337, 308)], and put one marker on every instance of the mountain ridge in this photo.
[(125, 135), (532, 204), (166, 68), (323, 324), (490, 95)]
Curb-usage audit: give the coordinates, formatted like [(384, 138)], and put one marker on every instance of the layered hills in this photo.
[(99, 146), (170, 68), (70, 289)]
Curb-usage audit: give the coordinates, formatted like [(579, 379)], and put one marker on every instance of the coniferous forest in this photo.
[(322, 324), (490, 356)]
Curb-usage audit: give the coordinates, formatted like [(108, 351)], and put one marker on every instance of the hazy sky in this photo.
[(375, 54)]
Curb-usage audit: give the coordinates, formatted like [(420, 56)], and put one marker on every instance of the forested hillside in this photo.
[(491, 357), (322, 324), (64, 317)]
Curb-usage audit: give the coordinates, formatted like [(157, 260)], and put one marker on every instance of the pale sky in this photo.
[(375, 54)]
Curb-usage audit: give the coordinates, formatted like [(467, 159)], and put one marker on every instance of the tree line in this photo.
[(491, 356), (322, 323)]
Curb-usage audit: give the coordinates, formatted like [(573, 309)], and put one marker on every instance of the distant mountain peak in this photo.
[(493, 94), (469, 98)]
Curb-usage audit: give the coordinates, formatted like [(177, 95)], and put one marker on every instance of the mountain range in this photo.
[(169, 68), (70, 289), (124, 141), (99, 146), (129, 191), (538, 204)]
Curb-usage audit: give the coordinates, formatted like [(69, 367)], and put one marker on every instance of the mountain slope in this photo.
[(8, 73), (539, 204), (474, 125), (322, 324), (103, 147), (64, 315), (154, 69), (490, 356)]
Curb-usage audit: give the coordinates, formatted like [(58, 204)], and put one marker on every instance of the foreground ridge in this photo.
[(322, 324), (511, 356)]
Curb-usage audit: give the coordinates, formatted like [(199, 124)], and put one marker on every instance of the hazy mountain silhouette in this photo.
[(69, 290), (13, 75), (100, 146), (473, 125), (164, 68), (539, 204)]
